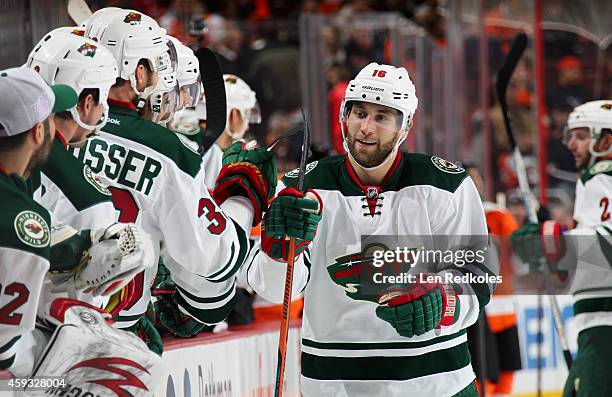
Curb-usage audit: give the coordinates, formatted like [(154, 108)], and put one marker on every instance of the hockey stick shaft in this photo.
[(284, 327), (503, 80)]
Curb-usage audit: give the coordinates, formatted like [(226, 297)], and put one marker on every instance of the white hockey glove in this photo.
[(117, 254)]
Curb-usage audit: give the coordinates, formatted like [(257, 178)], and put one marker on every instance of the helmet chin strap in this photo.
[(595, 153), (142, 96)]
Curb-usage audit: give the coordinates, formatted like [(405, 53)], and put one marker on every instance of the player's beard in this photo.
[(584, 162), (41, 154), (374, 159)]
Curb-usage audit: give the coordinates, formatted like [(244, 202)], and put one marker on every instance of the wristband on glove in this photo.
[(250, 173), (419, 308), (291, 214)]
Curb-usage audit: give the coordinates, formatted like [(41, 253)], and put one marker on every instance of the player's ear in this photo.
[(38, 133)]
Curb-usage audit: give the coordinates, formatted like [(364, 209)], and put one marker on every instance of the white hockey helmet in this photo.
[(165, 96), (382, 85), (596, 116), (130, 36), (64, 57), (188, 73), (241, 97)]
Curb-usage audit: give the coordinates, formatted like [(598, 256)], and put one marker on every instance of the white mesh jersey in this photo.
[(592, 283), (157, 182), (346, 349)]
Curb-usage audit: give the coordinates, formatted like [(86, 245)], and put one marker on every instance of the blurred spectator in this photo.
[(569, 91), (338, 77)]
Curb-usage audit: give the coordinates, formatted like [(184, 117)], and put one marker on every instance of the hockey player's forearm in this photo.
[(211, 304), (266, 276)]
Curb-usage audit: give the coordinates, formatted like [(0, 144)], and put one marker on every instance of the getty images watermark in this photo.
[(410, 258)]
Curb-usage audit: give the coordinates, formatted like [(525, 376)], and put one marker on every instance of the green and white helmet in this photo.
[(64, 56), (597, 117), (130, 36)]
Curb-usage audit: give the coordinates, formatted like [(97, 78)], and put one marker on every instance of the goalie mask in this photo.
[(382, 85), (596, 116), (242, 98), (130, 36), (63, 56)]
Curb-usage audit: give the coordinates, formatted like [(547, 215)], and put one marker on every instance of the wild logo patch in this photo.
[(95, 181), (78, 32), (446, 166), (133, 18), (359, 276), (296, 172), (32, 229), (607, 106), (89, 50), (601, 167)]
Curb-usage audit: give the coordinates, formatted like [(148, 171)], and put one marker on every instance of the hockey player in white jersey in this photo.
[(158, 182), (408, 339), (589, 138)]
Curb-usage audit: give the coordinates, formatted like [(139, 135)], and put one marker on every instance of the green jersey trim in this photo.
[(25, 225), (127, 124), (600, 167), (385, 368), (409, 169), (381, 345), (76, 180), (593, 305)]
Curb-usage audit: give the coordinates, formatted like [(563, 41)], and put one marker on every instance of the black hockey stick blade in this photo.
[(214, 91), (503, 80)]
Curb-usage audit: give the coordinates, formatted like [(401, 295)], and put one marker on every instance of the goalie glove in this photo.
[(116, 255)]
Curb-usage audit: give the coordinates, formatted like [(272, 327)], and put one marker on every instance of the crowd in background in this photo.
[(258, 40)]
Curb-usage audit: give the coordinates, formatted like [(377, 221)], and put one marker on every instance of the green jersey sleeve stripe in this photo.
[(10, 344)]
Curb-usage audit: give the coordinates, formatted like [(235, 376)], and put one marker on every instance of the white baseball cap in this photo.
[(26, 100)]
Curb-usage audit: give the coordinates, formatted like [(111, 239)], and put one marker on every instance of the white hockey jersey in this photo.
[(74, 196), (157, 182), (592, 283), (24, 261), (346, 349)]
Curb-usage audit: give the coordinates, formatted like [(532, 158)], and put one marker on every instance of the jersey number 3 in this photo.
[(7, 315), (217, 220)]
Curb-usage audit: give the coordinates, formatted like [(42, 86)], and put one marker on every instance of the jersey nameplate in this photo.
[(32, 229), (296, 172), (446, 166), (127, 167)]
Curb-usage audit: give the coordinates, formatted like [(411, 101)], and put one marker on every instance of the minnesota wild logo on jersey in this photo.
[(601, 167), (445, 165), (362, 276), (296, 172), (94, 180), (32, 229)]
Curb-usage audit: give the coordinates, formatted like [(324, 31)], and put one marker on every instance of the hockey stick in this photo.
[(214, 90), (284, 327), (503, 80), (78, 10)]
